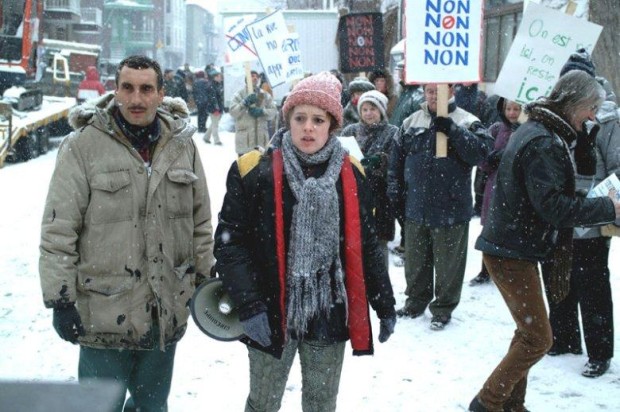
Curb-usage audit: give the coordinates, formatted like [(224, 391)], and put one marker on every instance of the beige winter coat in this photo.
[(119, 241), (250, 131)]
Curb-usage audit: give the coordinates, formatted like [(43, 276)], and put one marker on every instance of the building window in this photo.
[(61, 33), (500, 28), (168, 6)]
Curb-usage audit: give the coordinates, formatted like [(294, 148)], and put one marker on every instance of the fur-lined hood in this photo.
[(608, 112), (172, 111)]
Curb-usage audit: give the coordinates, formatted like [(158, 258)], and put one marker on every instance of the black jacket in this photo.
[(245, 249), (534, 196), (379, 139), (200, 92), (431, 191), (215, 96)]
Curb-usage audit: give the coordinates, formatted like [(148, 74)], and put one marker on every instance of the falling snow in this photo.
[(416, 370)]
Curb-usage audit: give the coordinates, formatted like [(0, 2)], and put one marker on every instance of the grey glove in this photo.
[(386, 328), (257, 328)]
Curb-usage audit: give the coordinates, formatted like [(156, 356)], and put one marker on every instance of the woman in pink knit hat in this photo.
[(298, 254)]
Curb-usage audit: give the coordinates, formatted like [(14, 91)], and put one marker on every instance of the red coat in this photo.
[(90, 87)]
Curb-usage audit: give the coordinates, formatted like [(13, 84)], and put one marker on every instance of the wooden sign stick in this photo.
[(248, 77), (441, 148)]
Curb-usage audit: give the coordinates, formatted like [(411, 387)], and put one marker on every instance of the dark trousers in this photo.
[(435, 266), (202, 118), (147, 374), (590, 293), (518, 281)]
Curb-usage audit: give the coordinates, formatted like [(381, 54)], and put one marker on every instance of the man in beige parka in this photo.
[(126, 234)]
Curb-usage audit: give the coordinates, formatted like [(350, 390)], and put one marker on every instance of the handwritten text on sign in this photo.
[(238, 45), (267, 36), (545, 40), (290, 49), (443, 35)]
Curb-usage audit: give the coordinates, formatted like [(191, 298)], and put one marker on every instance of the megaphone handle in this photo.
[(225, 305)]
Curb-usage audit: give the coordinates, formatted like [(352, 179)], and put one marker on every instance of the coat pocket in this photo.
[(111, 197), (180, 193), (108, 303)]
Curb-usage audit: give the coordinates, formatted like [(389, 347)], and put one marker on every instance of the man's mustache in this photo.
[(131, 107), (136, 108)]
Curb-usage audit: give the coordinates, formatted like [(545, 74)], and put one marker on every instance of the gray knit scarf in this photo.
[(314, 249)]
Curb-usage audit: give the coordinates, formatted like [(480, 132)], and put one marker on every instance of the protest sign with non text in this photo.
[(443, 41)]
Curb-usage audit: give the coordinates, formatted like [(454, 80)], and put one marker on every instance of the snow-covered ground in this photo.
[(416, 370)]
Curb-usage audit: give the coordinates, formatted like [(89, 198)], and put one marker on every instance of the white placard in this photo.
[(603, 188), (545, 40), (350, 145), (239, 47), (292, 54), (443, 41), (268, 35)]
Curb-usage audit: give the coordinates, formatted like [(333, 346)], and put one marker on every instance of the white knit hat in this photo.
[(377, 98)]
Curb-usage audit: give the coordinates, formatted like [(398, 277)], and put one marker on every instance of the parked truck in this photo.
[(38, 80)]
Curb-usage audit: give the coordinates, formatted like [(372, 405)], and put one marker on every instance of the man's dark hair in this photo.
[(141, 62)]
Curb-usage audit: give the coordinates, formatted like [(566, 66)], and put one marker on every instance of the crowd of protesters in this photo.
[(301, 242)]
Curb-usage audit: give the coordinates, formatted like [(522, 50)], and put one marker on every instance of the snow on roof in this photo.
[(12, 69)]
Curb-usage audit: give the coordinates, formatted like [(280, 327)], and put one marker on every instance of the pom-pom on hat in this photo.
[(320, 90), (360, 84), (580, 60), (375, 97)]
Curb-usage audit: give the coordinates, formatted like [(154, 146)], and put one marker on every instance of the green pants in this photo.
[(442, 251), (147, 374), (321, 365)]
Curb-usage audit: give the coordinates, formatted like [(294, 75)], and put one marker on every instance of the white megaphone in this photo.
[(214, 313)]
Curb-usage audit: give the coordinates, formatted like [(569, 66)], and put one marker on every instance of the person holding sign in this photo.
[(376, 136), (252, 112), (532, 215), (434, 197), (590, 289), (298, 254)]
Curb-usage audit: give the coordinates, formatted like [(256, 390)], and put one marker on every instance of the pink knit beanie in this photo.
[(321, 90)]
